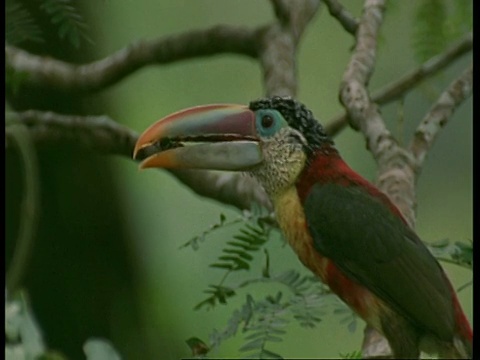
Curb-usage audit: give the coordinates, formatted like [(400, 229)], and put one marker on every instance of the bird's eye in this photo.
[(267, 121)]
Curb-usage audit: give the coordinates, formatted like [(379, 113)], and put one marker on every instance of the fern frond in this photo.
[(20, 26), (352, 355), (349, 317), (266, 326), (236, 256), (307, 309), (71, 25), (461, 20), (218, 294), (238, 318), (429, 29), (458, 253), (257, 215), (194, 242)]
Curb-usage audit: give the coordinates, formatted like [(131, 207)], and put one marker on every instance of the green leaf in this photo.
[(240, 253), (71, 25), (253, 345), (20, 26), (222, 266), (429, 31), (270, 355), (20, 326), (352, 355), (244, 246)]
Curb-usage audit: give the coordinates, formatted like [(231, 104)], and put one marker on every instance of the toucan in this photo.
[(342, 227)]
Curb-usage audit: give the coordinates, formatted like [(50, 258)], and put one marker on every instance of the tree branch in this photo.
[(338, 11), (101, 134), (439, 114), (278, 43), (410, 80), (364, 115), (94, 133), (100, 74)]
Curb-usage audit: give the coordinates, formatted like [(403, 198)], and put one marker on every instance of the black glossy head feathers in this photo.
[(298, 117)]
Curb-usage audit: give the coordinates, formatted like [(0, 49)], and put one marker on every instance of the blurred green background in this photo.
[(160, 214)]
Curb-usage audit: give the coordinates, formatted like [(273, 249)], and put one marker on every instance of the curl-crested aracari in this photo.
[(342, 227)]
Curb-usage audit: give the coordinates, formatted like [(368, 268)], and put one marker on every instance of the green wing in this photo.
[(374, 247)]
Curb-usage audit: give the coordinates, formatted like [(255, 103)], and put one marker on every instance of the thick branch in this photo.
[(338, 11), (395, 164), (354, 95), (410, 80), (278, 44), (439, 114), (103, 73), (364, 115), (103, 135), (95, 133)]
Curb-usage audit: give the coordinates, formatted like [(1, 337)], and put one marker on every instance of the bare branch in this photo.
[(95, 133), (354, 95), (395, 165), (277, 59), (103, 73), (278, 44), (427, 69), (103, 135), (439, 114), (282, 10), (410, 80), (338, 11), (230, 188), (364, 115)]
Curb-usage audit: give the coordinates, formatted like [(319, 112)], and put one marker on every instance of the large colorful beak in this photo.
[(216, 137)]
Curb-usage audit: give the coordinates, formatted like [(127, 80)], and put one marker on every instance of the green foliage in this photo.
[(14, 79), (266, 325), (20, 26), (303, 298), (352, 355), (24, 339), (348, 315), (236, 257), (71, 25), (458, 253), (429, 37), (261, 321), (437, 23)]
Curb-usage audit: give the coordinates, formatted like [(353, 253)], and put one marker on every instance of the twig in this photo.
[(29, 209), (103, 73), (410, 80), (439, 114), (103, 135), (427, 69), (338, 11)]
